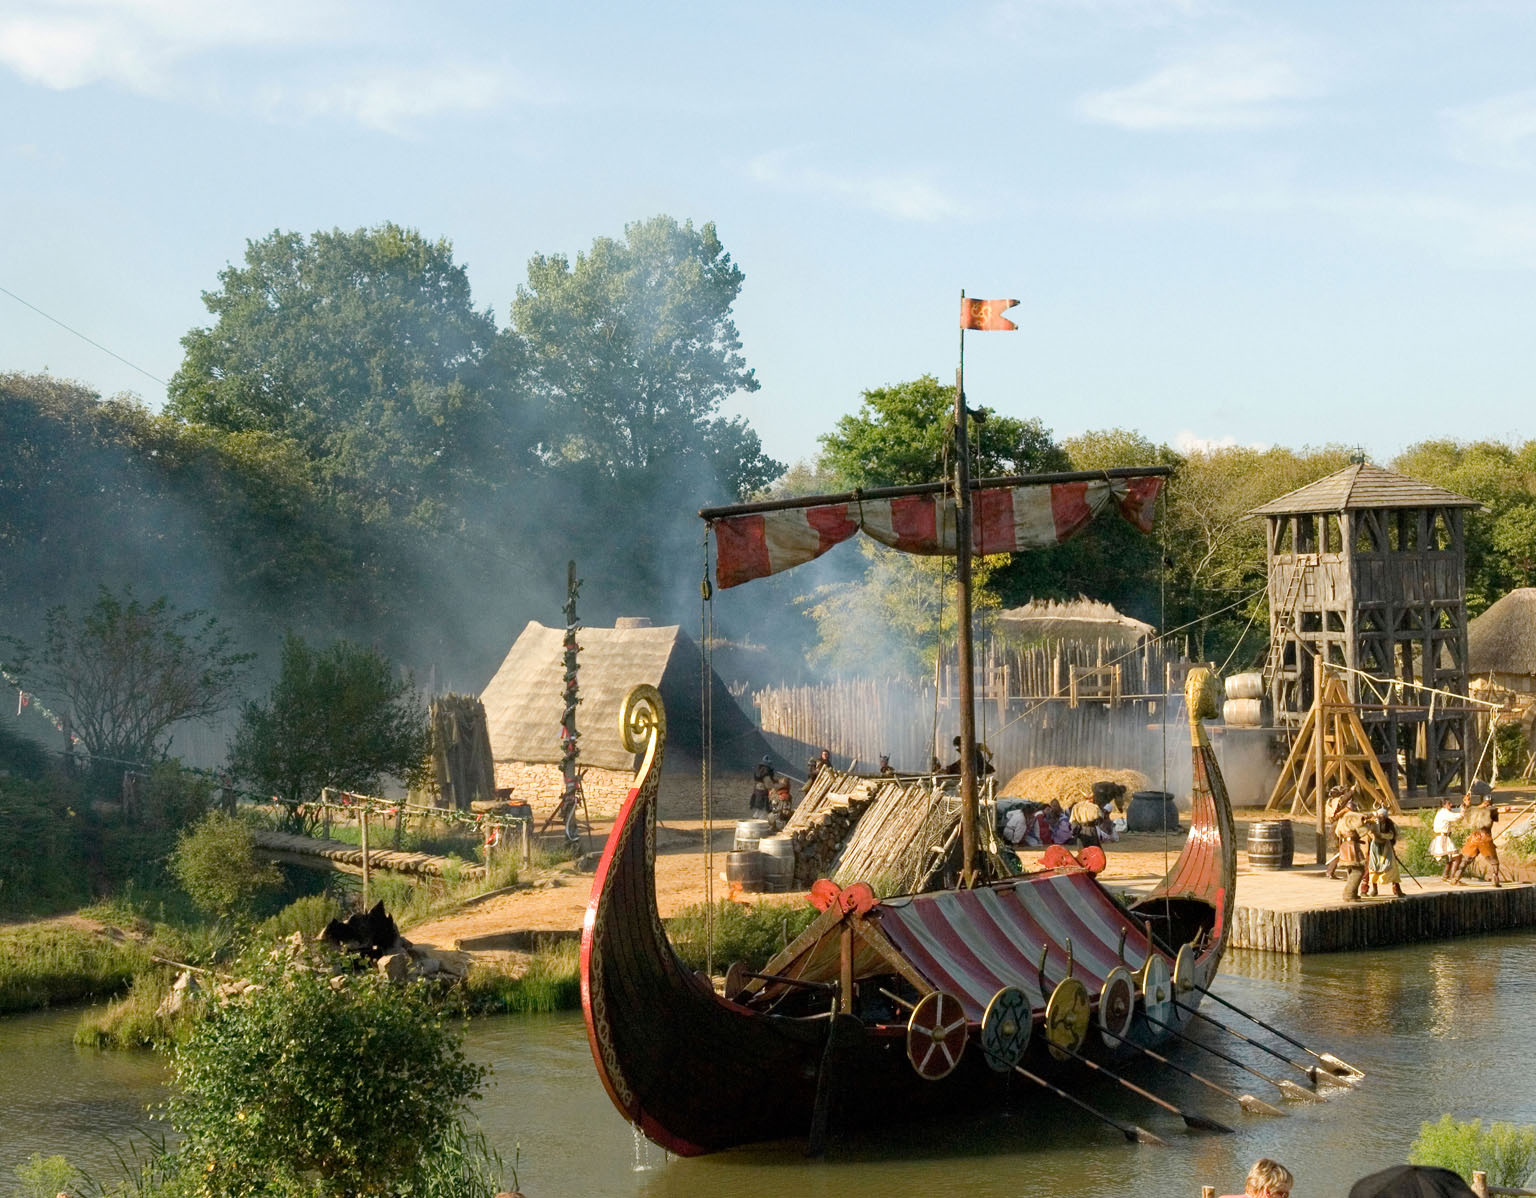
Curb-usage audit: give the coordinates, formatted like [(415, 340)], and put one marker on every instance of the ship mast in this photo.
[(969, 804)]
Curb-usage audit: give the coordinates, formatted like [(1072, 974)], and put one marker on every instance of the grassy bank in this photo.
[(46, 964)]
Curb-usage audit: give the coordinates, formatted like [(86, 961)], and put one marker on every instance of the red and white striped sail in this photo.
[(1003, 520)]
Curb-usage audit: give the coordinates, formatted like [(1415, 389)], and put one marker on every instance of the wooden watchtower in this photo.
[(1367, 572)]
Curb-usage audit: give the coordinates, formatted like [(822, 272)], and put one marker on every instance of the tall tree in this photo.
[(903, 433), (365, 348), (337, 716), (635, 349), (125, 671)]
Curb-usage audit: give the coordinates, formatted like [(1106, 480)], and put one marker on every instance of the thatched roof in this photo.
[(1079, 620), (523, 701), (1503, 639), (1362, 485)]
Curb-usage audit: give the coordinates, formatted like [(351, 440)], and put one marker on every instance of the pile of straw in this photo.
[(1067, 783)]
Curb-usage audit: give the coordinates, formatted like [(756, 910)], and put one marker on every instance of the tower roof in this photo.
[(1362, 485)]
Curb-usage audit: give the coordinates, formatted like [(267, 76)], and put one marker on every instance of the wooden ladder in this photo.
[(1286, 620)]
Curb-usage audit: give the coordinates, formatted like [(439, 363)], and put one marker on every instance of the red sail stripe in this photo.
[(1070, 508), (1092, 959), (992, 527), (1087, 964), (1108, 921), (974, 984), (1139, 503), (981, 916), (914, 945), (741, 550), (832, 523), (914, 520), (984, 978)]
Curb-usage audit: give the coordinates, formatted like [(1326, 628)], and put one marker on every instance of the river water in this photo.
[(1441, 1027)]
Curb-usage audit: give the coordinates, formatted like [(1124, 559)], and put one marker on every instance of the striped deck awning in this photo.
[(972, 943)]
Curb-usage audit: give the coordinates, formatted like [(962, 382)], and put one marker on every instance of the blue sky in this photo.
[(1226, 223)]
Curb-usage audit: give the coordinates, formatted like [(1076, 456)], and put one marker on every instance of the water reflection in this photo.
[(1438, 1028)]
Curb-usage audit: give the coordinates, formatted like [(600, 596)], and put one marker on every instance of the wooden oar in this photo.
[(1199, 1122), (1313, 1074), (1327, 1058), (1135, 1134), (1254, 1106), (1287, 1087)]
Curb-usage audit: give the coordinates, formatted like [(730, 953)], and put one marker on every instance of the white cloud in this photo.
[(1220, 87), (137, 44), (1186, 441), (394, 101), (903, 196), (1498, 132)]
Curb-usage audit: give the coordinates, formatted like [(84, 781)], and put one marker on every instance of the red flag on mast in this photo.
[(986, 315)]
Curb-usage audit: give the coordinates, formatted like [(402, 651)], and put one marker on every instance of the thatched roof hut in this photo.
[(1080, 619), (523, 701), (1502, 641)]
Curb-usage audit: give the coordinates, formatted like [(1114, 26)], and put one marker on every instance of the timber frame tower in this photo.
[(1367, 572)]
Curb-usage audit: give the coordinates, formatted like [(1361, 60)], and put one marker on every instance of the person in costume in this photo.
[(764, 778), (1479, 841), (1350, 827), (1381, 862), (1441, 847)]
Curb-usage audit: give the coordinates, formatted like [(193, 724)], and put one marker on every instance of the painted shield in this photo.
[(936, 1035), (1066, 1018), (1117, 1004), (1185, 970), (1157, 989), (1005, 1029)]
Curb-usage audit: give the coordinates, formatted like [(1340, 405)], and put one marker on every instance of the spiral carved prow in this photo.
[(643, 725), (1201, 699)]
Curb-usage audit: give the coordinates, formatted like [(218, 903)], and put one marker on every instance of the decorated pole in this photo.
[(570, 782)]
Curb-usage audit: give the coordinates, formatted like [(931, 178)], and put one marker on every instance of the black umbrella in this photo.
[(1412, 1181)]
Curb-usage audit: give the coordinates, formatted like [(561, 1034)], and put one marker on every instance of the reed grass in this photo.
[(133, 1021), (750, 934), (42, 965), (551, 982)]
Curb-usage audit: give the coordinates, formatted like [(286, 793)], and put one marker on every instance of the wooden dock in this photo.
[(1300, 910)]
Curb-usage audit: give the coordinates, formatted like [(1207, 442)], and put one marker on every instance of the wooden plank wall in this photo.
[(1408, 920)]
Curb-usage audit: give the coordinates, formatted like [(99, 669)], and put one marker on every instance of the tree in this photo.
[(215, 862), (125, 671), (634, 349), (307, 1084), (904, 434), (337, 716), (365, 348)]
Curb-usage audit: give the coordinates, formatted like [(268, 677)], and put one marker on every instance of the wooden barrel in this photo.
[(778, 854), (746, 869), (1271, 844), (748, 833), (1243, 713), (1245, 686)]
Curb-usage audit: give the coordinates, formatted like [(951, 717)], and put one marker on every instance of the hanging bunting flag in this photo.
[(986, 316)]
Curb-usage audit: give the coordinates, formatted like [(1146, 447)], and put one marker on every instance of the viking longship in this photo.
[(924, 999)]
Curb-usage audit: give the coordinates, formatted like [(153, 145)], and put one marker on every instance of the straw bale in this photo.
[(1067, 783)]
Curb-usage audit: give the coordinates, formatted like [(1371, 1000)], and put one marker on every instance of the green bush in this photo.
[(44, 815), (299, 1087), (750, 934), (1511, 751), (44, 1176), (133, 1021), (1505, 1152), (1413, 852), (215, 862), (309, 915)]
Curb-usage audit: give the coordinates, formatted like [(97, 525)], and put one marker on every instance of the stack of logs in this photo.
[(820, 825), (897, 834)]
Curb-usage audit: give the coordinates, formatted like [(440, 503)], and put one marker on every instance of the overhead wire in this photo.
[(89, 341)]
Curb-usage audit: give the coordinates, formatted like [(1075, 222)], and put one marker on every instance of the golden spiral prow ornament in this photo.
[(1201, 695), (642, 723)]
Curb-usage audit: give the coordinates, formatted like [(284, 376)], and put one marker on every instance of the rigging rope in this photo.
[(706, 756)]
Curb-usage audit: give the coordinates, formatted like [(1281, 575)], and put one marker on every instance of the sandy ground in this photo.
[(555, 901)]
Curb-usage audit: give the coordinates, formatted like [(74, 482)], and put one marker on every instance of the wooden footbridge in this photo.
[(315, 853)]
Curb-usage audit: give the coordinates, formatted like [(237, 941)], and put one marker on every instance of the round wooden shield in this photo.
[(1005, 1029), (736, 979), (1157, 989), (1066, 1018), (1184, 967), (936, 1035), (1117, 1004)]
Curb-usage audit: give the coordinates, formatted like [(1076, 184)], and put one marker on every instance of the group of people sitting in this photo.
[(1087, 822)]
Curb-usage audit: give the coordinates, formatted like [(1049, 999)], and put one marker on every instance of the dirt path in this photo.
[(555, 901)]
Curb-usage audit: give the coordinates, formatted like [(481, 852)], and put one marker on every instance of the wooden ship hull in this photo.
[(926, 1000)]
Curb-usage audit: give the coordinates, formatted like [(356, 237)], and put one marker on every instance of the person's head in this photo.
[(767, 761), (1447, 801), (826, 754), (1268, 1179), (884, 759)]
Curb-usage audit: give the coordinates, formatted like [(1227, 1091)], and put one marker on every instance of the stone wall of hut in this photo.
[(541, 785)]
